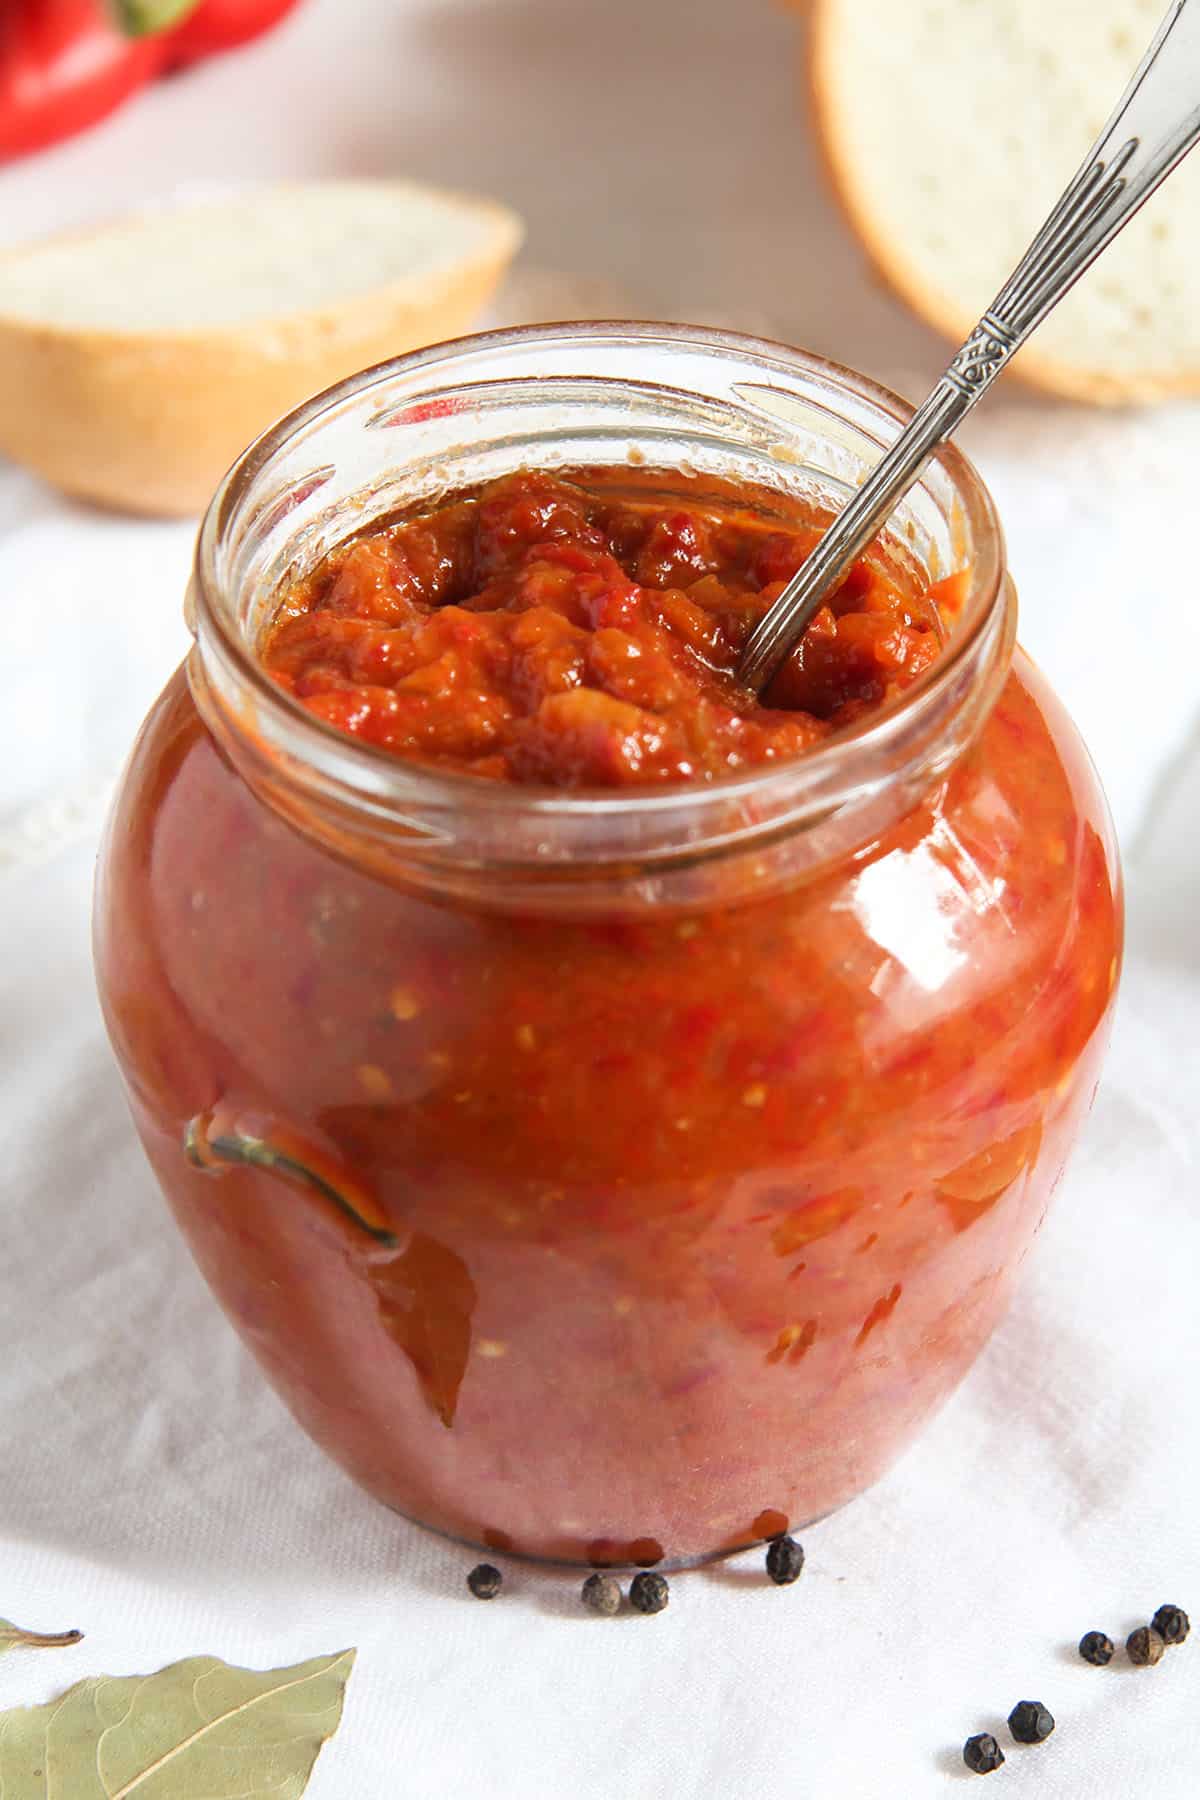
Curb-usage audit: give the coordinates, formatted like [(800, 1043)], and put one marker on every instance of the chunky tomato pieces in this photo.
[(559, 632)]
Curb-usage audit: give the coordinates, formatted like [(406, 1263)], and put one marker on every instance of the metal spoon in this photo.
[(1153, 128)]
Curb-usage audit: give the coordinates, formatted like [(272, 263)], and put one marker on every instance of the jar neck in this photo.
[(523, 850), (738, 410)]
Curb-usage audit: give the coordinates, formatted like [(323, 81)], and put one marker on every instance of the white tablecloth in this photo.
[(153, 1490)]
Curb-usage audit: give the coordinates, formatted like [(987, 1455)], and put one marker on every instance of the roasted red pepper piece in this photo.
[(64, 64)]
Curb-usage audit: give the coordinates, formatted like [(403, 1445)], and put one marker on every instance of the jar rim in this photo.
[(829, 774)]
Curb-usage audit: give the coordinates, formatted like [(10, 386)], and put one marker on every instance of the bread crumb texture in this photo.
[(953, 125), (262, 253)]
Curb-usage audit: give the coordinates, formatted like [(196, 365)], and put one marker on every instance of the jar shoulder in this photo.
[(994, 865), (988, 918)]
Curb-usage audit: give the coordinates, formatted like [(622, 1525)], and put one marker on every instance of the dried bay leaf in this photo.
[(198, 1730), (426, 1298), (13, 1638)]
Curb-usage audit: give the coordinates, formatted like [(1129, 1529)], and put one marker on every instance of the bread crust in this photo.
[(1098, 386)]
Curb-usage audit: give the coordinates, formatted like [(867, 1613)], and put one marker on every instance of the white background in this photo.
[(152, 1489)]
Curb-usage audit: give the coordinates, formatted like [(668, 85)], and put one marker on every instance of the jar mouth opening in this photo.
[(827, 775)]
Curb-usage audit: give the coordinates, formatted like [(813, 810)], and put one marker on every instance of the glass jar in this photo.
[(608, 1177)]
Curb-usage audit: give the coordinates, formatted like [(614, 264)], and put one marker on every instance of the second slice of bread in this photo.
[(951, 127)]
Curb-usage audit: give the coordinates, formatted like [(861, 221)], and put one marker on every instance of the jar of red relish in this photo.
[(607, 1176)]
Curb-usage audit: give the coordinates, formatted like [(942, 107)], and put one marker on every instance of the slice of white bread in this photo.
[(950, 128), (138, 359)]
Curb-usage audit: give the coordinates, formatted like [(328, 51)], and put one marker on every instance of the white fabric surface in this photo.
[(155, 1493)]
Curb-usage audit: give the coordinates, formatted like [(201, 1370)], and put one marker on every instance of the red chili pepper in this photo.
[(218, 25), (64, 64)]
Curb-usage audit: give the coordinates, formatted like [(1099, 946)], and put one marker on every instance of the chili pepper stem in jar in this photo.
[(705, 1125)]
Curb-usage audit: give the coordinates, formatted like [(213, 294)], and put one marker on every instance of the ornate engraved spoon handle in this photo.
[(1154, 126)]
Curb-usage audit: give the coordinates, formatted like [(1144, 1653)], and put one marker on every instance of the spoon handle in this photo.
[(1154, 126)]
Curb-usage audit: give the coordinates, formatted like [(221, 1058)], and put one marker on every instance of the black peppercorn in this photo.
[(1145, 1647), (785, 1559), (1172, 1624), (485, 1582), (982, 1754), (1030, 1722), (649, 1593), (1095, 1647), (602, 1594)]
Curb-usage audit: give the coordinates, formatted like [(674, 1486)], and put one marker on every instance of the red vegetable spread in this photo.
[(643, 1227), (561, 631)]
